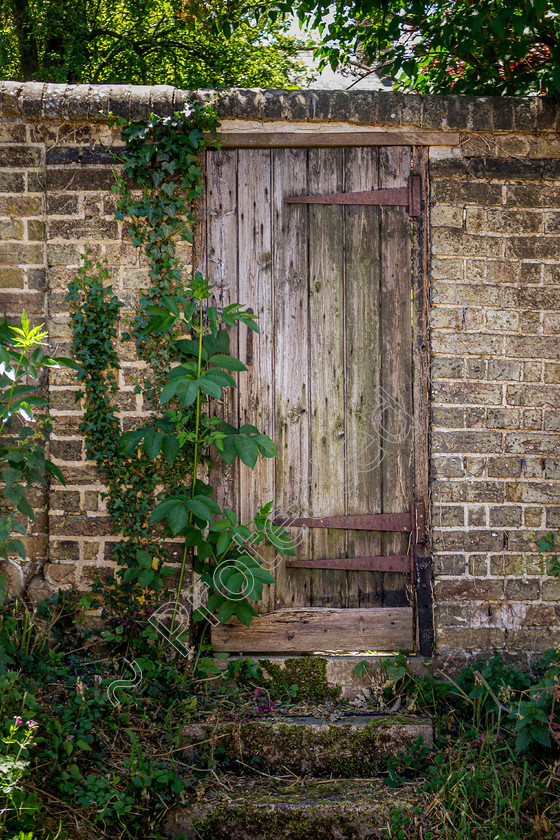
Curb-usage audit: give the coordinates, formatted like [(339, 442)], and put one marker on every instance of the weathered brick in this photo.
[(447, 418), (452, 241), (533, 247), (79, 179), (476, 517), (467, 393), (66, 450), (11, 278), (11, 182), (449, 564), (467, 638), (532, 195), (464, 294), (64, 550), (502, 418), (532, 492), (533, 517), (536, 347), (551, 591), (23, 157), (533, 395), (471, 540), (475, 344), (484, 491), (65, 500), (505, 515), (21, 205), (448, 516), (476, 368), (62, 205), (469, 589), (470, 192), (87, 526), (466, 441), (502, 369), (60, 573), (447, 268), (83, 229), (504, 221), (532, 419)]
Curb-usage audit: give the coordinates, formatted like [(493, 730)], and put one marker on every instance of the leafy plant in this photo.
[(23, 437), (16, 806), (184, 341)]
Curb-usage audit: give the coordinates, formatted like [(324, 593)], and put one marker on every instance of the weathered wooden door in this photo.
[(329, 379)]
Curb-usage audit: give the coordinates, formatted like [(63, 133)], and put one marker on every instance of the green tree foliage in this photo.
[(484, 47), (146, 42)]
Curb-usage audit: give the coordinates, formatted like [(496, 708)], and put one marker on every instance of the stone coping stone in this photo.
[(351, 745), (39, 101), (293, 810)]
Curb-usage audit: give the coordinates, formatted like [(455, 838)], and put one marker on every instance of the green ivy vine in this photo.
[(154, 490)]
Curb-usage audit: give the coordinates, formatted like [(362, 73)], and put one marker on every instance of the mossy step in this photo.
[(332, 810), (352, 745)]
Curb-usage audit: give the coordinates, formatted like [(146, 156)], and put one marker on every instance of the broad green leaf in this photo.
[(170, 447), (130, 440), (177, 517), (247, 450), (227, 362), (152, 443)]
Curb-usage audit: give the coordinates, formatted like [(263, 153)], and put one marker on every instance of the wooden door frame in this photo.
[(422, 586)]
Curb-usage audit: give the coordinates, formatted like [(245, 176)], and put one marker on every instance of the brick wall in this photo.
[(495, 324), (494, 318)]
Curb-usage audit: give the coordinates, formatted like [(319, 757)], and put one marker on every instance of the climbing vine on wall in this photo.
[(153, 473)]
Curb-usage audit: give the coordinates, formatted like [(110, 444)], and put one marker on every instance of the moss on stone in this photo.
[(309, 673)]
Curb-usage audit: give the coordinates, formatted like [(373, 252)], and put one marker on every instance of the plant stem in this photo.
[(195, 460)]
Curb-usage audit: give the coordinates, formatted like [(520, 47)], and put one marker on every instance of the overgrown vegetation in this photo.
[(183, 340), (73, 765), (23, 436)]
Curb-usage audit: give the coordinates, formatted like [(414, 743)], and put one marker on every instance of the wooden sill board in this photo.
[(313, 629)]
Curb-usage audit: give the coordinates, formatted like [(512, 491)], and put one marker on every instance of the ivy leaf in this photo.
[(546, 543), (144, 559), (146, 577)]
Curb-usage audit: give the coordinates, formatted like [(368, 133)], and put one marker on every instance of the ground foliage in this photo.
[(485, 47), (73, 765), (145, 42)]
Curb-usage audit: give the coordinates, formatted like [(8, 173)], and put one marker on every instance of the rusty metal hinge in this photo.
[(409, 196)]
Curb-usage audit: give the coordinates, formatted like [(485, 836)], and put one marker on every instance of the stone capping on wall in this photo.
[(39, 101)]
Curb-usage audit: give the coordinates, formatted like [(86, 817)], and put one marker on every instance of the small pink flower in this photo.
[(18, 720), (32, 724)]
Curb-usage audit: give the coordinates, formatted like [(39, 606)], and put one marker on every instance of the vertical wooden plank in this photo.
[(327, 328), (256, 386), (221, 267), (362, 281), (291, 349), (396, 361), (421, 379)]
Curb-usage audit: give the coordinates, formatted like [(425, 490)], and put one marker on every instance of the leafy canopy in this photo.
[(147, 42), (495, 47)]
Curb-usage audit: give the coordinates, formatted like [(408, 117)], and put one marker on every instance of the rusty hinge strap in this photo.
[(409, 196), (360, 522), (393, 563)]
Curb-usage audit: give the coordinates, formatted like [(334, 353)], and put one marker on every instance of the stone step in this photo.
[(328, 810), (348, 745)]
